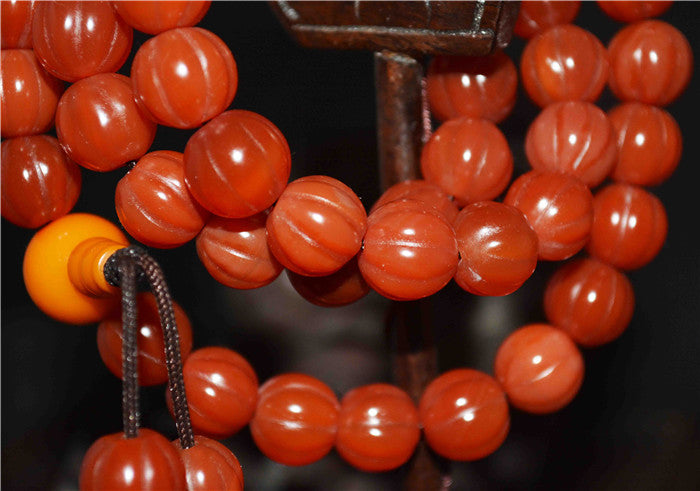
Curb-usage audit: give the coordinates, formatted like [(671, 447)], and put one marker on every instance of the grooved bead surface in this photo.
[(650, 62), (540, 368), (237, 164), (591, 301), (75, 40), (296, 419), (464, 414), (16, 24), (343, 287), (210, 466), (575, 138), (184, 77), (634, 10), (477, 87), (156, 16), (564, 63), (39, 183), (535, 17), (629, 226), (469, 159), (420, 190)]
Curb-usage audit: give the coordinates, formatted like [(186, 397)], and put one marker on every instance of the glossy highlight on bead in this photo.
[(209, 465)]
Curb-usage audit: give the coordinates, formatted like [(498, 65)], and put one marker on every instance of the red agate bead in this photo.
[(153, 202), (649, 144), (74, 40), (629, 226), (540, 368), (497, 247), (16, 23), (235, 251), (590, 300), (535, 17), (316, 226), (420, 190), (634, 10), (469, 159), (184, 77), (100, 126), (464, 414), (156, 16), (146, 462), (39, 182), (28, 94), (650, 62), (559, 209), (474, 86), (209, 465), (296, 419), (378, 427), (238, 164), (343, 287), (564, 63)]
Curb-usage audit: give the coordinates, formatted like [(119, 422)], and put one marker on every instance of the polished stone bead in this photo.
[(210, 466), (420, 190), (156, 16), (16, 24), (535, 17), (343, 287), (634, 10)]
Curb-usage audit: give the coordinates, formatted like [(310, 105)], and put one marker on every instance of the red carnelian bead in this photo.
[(237, 164), (146, 462), (16, 24), (74, 40), (184, 77), (559, 209), (477, 87), (535, 17), (153, 202), (316, 226), (591, 301), (633, 10), (343, 287), (28, 94), (564, 63), (497, 247), (151, 361), (235, 251), (156, 16), (409, 252), (296, 420), (420, 190), (649, 144), (464, 415), (100, 126), (650, 62), (469, 159), (378, 427), (39, 183), (540, 368), (629, 226), (210, 466)]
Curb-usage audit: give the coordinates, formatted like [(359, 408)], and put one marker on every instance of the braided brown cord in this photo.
[(130, 379)]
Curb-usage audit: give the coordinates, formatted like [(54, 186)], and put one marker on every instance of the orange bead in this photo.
[(100, 126), (420, 190), (464, 415), (591, 301), (650, 62), (540, 368), (238, 164), (28, 94), (75, 40), (39, 182), (296, 419), (469, 159), (184, 77), (474, 86), (46, 275), (156, 16), (535, 17), (497, 247), (316, 226), (343, 287), (235, 251), (378, 428), (649, 144), (151, 360), (153, 202), (564, 63), (559, 209), (575, 138), (629, 226), (210, 466), (634, 10), (16, 23)]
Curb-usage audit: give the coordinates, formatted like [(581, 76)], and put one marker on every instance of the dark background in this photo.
[(635, 423)]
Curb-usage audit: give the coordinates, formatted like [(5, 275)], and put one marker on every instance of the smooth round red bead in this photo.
[(343, 287), (296, 419), (464, 414), (39, 182), (16, 24), (238, 164), (535, 17), (156, 16), (469, 159), (590, 300), (210, 466), (629, 226), (634, 10), (420, 190), (564, 63), (540, 368), (575, 138)]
